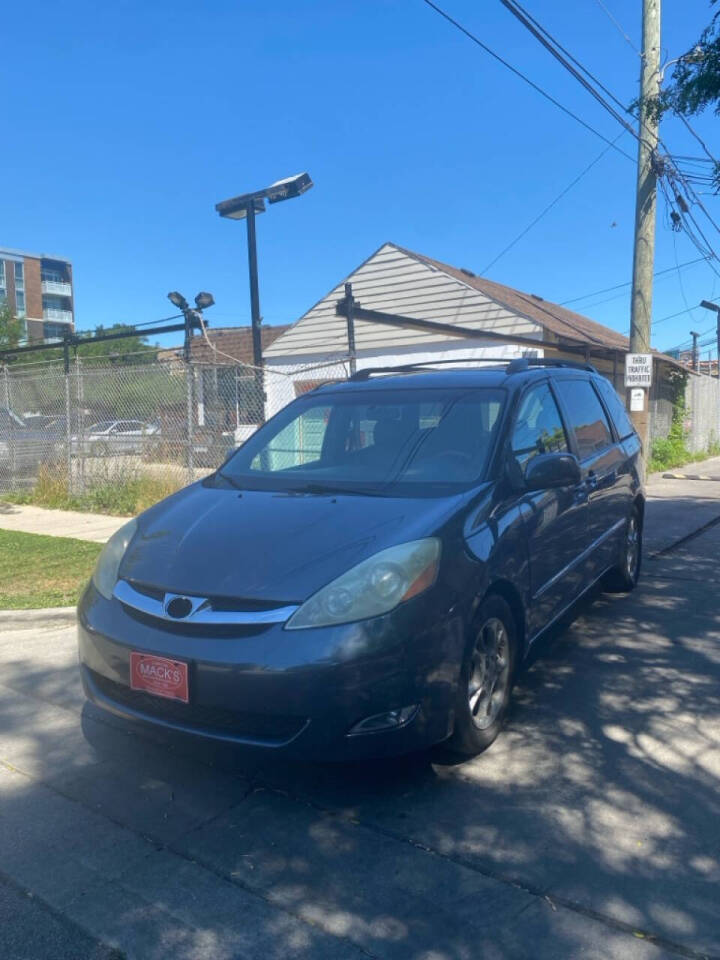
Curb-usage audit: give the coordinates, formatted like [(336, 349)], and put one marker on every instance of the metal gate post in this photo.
[(11, 427), (80, 425), (68, 435), (189, 431)]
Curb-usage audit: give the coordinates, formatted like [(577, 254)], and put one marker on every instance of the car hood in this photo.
[(269, 546)]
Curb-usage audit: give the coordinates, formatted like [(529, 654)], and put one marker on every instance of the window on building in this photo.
[(54, 331), (3, 286), (53, 275), (587, 417), (19, 289), (538, 427)]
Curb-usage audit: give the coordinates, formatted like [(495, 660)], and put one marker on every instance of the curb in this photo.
[(688, 476), (54, 615)]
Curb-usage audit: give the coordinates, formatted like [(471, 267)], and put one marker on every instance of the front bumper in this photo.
[(300, 691)]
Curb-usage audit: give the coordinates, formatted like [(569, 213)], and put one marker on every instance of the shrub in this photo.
[(119, 496)]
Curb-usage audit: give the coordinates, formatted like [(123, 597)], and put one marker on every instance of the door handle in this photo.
[(591, 481)]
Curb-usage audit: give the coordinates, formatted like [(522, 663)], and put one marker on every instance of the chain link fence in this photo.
[(164, 423)]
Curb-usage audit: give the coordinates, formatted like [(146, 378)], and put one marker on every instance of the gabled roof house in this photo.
[(398, 281)]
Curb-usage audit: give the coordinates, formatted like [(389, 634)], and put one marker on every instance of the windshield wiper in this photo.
[(231, 480), (321, 488)]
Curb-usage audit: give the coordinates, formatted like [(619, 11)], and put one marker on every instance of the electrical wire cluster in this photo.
[(679, 177)]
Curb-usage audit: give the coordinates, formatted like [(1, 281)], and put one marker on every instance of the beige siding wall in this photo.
[(394, 282)]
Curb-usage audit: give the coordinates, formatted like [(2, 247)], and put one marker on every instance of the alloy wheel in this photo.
[(489, 673), (632, 548)]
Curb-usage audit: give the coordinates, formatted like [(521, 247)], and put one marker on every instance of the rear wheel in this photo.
[(625, 574), (486, 679)]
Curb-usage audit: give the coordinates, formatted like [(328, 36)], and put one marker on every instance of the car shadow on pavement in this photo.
[(589, 827)]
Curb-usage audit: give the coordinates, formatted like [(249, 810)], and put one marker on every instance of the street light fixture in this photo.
[(709, 305), (696, 55), (246, 207), (192, 317), (204, 300), (178, 300)]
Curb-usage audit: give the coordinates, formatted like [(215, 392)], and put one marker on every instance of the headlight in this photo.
[(373, 587), (106, 571)]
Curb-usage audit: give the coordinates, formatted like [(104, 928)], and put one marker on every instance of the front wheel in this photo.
[(625, 574), (486, 679)]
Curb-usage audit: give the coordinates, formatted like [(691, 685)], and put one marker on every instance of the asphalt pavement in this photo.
[(590, 829)]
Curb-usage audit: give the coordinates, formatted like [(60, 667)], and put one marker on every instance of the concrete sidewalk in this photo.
[(677, 508), (59, 523)]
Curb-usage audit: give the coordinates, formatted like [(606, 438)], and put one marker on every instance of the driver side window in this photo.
[(538, 426)]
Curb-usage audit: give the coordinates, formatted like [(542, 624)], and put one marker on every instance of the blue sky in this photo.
[(126, 122)]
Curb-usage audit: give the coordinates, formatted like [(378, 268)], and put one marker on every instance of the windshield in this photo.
[(9, 417), (394, 442)]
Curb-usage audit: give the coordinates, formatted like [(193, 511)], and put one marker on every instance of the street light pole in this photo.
[(247, 206), (709, 305), (258, 401), (255, 318)]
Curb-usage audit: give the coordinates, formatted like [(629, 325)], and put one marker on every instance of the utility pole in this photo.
[(710, 305), (695, 355), (645, 203)]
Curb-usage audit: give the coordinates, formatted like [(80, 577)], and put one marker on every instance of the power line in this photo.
[(679, 274), (554, 48), (543, 93), (618, 27), (553, 45), (684, 344), (557, 50), (619, 286), (671, 316), (698, 138), (549, 207)]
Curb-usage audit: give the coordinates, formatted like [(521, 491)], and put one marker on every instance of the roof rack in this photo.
[(518, 365), (521, 364), (426, 365)]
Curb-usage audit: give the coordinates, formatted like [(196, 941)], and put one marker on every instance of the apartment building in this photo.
[(38, 288)]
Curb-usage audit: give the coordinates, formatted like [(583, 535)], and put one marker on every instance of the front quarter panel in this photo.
[(496, 536)]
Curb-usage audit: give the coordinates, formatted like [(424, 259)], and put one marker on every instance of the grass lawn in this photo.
[(40, 571)]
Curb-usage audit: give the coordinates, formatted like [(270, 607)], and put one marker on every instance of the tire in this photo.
[(479, 717), (623, 577)]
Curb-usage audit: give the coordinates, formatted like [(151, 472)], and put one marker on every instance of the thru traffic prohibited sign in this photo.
[(638, 369)]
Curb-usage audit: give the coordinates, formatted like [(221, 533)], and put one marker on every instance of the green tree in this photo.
[(695, 83), (133, 349), (12, 329)]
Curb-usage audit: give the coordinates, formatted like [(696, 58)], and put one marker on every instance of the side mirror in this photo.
[(549, 470)]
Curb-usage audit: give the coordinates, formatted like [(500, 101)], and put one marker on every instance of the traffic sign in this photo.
[(638, 369)]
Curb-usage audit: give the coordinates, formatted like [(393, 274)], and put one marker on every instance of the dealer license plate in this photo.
[(159, 675)]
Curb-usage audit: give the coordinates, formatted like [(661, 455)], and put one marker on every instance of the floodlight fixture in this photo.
[(204, 300), (288, 188), (236, 208), (178, 300)]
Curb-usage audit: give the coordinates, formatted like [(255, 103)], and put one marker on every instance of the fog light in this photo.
[(390, 720)]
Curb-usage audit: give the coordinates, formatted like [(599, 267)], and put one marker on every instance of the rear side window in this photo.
[(586, 415), (618, 413), (538, 426)]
